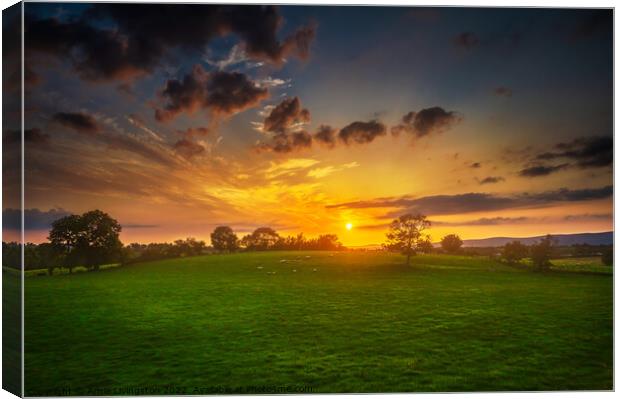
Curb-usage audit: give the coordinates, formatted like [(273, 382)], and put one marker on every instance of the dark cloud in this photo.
[(81, 123), (31, 136), (426, 121), (287, 142), (362, 132), (326, 135), (588, 152), (124, 41), (476, 202), (193, 132), (589, 217), (475, 165), (541, 170), (491, 180), (466, 40), (502, 91), (188, 148), (485, 221), (34, 219), (285, 115), (222, 93), (592, 22)]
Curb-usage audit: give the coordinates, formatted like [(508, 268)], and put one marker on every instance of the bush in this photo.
[(513, 252)]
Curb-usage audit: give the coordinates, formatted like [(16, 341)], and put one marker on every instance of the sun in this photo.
[(349, 226)]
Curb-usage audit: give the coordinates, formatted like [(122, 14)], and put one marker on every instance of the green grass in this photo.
[(589, 264), (360, 323)]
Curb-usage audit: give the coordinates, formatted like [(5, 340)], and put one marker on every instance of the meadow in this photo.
[(292, 322)]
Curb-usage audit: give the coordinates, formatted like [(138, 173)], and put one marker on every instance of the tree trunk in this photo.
[(408, 258)]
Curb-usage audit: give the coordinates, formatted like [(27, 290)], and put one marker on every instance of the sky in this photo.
[(175, 119)]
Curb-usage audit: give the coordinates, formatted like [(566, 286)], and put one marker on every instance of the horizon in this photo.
[(316, 120)]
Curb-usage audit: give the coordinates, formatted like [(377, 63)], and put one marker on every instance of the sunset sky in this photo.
[(175, 119)]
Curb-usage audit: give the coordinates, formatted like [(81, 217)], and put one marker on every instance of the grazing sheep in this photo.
[(283, 260), (314, 270), (307, 256), (294, 270), (259, 267)]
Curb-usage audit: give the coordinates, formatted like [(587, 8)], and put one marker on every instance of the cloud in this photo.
[(31, 136), (476, 202), (188, 148), (139, 226), (541, 170), (466, 40), (222, 93), (589, 217), (325, 171), (484, 221), (593, 22), (491, 180), (193, 132), (475, 165), (79, 122), (588, 152), (426, 121), (502, 91), (34, 218), (362, 132), (287, 142), (285, 115), (326, 135), (125, 41)]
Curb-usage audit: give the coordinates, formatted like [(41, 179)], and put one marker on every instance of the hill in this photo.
[(605, 238)]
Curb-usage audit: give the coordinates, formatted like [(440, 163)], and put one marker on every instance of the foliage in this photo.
[(425, 245), (405, 234), (541, 253), (261, 239), (514, 251), (136, 252), (451, 243), (608, 256), (224, 239)]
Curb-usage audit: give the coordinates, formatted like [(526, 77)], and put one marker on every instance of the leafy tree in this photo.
[(261, 239), (608, 256), (451, 243), (541, 253), (90, 239), (425, 246), (224, 239), (405, 233), (514, 251)]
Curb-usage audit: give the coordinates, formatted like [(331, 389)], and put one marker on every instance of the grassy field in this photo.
[(317, 322)]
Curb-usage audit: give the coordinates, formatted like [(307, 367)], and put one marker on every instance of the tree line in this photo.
[(406, 235), (92, 239)]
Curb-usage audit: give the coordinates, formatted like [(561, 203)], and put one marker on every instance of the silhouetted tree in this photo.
[(425, 246), (608, 256), (91, 239), (224, 239), (514, 251), (541, 253), (451, 243), (405, 233), (261, 239)]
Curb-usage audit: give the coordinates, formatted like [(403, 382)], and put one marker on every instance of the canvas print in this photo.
[(207, 199)]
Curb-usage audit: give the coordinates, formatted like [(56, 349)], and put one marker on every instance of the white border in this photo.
[(470, 3)]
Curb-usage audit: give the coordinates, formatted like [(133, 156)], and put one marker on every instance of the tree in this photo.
[(425, 246), (261, 239), (224, 239), (608, 256), (514, 251), (405, 233), (90, 239), (451, 243), (541, 253)]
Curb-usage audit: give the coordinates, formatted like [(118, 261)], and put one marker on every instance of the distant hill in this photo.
[(605, 238)]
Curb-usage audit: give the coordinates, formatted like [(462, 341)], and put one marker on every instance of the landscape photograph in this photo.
[(208, 199)]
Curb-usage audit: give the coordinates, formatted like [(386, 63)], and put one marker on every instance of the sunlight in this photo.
[(349, 226)]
